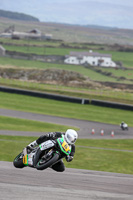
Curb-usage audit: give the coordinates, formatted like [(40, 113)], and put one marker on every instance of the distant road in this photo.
[(84, 125)]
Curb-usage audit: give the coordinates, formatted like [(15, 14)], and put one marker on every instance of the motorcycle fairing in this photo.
[(25, 159), (46, 145), (28, 159), (64, 146)]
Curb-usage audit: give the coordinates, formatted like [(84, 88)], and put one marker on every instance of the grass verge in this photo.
[(100, 94), (65, 109), (15, 124), (85, 158), (101, 160)]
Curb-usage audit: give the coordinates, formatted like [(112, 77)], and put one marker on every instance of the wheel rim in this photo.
[(43, 161)]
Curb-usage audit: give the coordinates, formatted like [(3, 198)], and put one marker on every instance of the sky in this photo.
[(111, 13)]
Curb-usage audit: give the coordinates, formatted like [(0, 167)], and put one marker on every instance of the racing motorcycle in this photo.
[(43, 156), (124, 126)]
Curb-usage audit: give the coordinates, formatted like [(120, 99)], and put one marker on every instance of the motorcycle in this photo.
[(124, 126), (43, 156)]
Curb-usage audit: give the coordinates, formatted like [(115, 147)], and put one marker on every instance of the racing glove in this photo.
[(31, 146), (69, 158)]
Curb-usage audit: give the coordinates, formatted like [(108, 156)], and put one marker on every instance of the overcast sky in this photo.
[(112, 13)]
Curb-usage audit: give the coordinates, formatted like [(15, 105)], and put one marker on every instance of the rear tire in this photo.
[(40, 165), (18, 161)]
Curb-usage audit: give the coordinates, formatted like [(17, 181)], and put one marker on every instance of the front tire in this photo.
[(18, 161), (47, 163)]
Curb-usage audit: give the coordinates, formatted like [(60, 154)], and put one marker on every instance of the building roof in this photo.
[(88, 54), (35, 31)]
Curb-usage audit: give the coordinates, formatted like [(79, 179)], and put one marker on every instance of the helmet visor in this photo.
[(71, 138)]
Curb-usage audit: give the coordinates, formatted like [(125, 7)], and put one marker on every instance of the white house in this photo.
[(91, 58)]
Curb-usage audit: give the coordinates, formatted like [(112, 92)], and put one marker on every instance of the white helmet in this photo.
[(71, 136)]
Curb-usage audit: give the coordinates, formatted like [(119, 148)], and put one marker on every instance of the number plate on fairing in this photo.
[(46, 145), (64, 146)]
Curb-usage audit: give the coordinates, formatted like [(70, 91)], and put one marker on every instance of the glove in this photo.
[(69, 158), (31, 146), (52, 135), (29, 149)]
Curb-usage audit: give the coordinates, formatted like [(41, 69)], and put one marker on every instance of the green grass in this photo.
[(10, 146), (85, 158), (120, 73), (50, 43), (101, 160), (39, 50), (93, 75), (29, 42), (65, 109), (102, 94), (40, 65), (125, 57), (125, 144), (9, 123)]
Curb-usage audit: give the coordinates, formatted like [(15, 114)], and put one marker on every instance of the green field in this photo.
[(9, 62), (125, 57), (111, 160), (50, 43), (124, 76), (120, 73), (56, 48), (65, 109), (9, 123), (108, 95)]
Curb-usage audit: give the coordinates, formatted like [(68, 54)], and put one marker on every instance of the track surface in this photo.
[(74, 184), (84, 125)]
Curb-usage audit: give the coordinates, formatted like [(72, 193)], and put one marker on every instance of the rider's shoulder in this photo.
[(59, 134)]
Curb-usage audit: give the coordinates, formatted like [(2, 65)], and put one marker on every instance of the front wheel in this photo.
[(18, 161), (43, 164)]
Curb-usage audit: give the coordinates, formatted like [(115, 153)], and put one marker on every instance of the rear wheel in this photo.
[(18, 161), (45, 163)]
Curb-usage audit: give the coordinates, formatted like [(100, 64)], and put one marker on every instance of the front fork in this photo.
[(36, 156)]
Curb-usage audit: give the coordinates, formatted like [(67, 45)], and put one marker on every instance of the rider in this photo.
[(123, 125), (70, 136)]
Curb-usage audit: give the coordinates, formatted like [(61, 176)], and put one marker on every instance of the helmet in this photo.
[(71, 136)]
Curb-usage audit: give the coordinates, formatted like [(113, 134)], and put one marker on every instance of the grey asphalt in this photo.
[(84, 126), (74, 184)]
